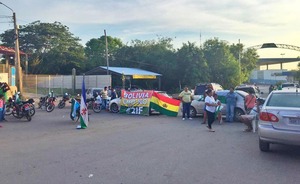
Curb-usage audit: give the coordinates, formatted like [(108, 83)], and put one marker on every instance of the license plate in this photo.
[(294, 121)]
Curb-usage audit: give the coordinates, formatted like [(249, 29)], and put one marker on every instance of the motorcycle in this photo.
[(50, 104), (9, 106), (94, 103), (43, 102), (62, 102), (21, 110)]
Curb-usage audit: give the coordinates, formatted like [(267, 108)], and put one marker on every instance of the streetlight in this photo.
[(282, 54), (19, 82)]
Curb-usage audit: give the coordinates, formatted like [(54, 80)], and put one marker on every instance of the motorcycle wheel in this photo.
[(97, 108), (14, 113), (28, 117), (61, 104), (8, 110), (32, 110), (50, 108)]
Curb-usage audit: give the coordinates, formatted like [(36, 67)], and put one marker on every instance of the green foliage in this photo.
[(95, 51), (51, 48), (191, 67), (223, 66)]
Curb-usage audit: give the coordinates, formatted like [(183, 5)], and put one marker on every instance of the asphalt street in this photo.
[(129, 149)]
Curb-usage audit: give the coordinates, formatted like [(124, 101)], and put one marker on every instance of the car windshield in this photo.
[(284, 100)]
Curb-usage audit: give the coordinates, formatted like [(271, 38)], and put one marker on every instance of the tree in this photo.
[(153, 55), (95, 51), (248, 59), (223, 67), (51, 48), (191, 67)]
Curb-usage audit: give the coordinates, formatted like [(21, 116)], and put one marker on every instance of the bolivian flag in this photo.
[(164, 104)]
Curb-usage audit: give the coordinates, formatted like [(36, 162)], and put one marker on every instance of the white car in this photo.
[(279, 120), (114, 105), (197, 106)]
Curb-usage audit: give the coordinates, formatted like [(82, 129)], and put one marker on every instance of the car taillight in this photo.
[(266, 116)]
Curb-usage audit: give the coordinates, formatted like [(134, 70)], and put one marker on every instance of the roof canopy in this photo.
[(8, 51), (135, 73)]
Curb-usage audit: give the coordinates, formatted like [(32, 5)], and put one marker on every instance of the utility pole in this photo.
[(19, 81), (106, 51)]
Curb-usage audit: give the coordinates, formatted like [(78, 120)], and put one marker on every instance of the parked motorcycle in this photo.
[(94, 103), (21, 110), (50, 104), (47, 102), (9, 106), (43, 102), (62, 102)]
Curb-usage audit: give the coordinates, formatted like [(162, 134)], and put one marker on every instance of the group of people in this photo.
[(105, 94), (212, 107)]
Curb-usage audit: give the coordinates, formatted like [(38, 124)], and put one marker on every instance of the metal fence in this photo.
[(39, 85)]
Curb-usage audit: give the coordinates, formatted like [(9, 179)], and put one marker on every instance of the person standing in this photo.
[(210, 109), (231, 99), (113, 94), (109, 90), (271, 88), (204, 109), (186, 99), (1, 107), (218, 113), (250, 102), (104, 96)]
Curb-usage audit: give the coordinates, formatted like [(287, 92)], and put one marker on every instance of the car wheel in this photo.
[(237, 114), (193, 112), (114, 108), (264, 146)]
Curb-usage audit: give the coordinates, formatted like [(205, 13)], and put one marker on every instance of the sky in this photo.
[(252, 22)]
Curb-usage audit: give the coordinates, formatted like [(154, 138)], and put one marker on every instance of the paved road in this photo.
[(128, 149)]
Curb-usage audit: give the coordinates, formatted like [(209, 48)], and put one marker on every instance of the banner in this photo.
[(136, 102)]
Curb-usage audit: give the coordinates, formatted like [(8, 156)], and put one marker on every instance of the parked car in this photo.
[(289, 85), (114, 105), (279, 119), (201, 87), (249, 89), (197, 105)]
